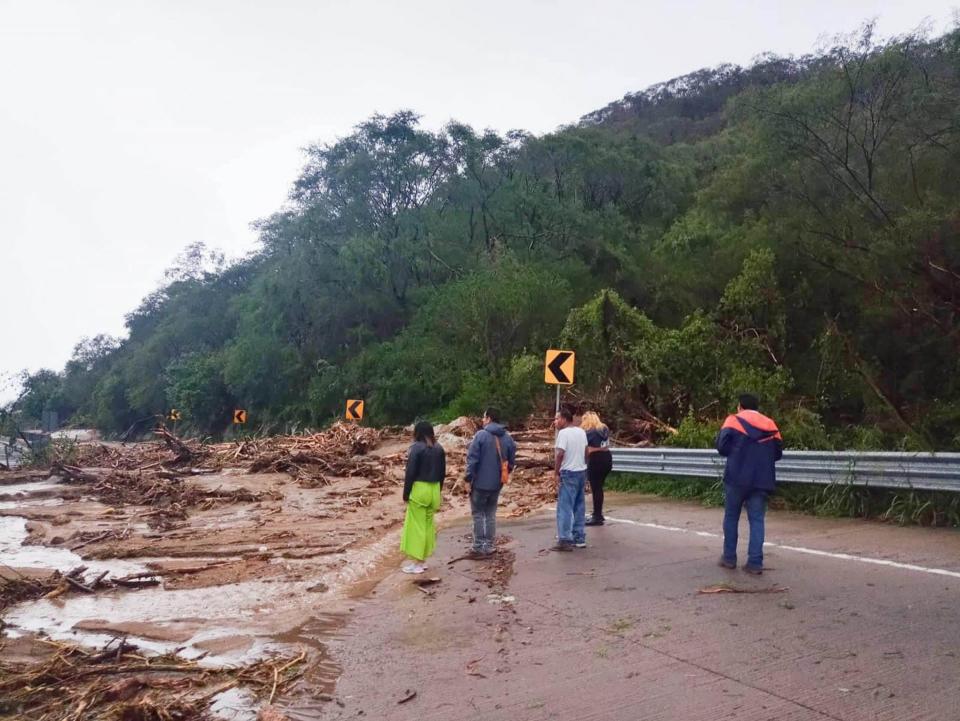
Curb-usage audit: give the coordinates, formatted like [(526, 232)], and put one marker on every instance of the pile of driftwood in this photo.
[(169, 494), (156, 474), (170, 452), (16, 587), (75, 581), (117, 682), (340, 451)]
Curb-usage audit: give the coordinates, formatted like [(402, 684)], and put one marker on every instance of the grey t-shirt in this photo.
[(573, 442)]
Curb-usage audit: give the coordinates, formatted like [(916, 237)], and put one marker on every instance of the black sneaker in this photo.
[(562, 546), (594, 521), (724, 563), (754, 570)]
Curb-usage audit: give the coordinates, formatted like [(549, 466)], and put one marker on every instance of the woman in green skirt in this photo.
[(426, 467)]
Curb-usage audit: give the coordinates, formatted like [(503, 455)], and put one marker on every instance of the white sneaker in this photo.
[(413, 568)]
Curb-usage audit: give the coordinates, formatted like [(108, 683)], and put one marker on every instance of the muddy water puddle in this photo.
[(34, 489), (244, 616), (13, 532), (181, 620), (41, 503), (235, 704), (223, 625)]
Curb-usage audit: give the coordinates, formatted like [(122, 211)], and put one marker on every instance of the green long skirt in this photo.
[(419, 536)]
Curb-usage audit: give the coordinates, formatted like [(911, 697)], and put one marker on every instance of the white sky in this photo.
[(130, 129)]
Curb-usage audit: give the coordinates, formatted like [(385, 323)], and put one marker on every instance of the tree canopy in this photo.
[(789, 228)]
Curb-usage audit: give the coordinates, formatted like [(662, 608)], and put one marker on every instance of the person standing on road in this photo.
[(570, 477), (599, 462), (490, 459), (752, 445), (426, 468)]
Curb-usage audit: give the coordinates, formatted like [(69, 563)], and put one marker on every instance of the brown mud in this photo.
[(220, 556)]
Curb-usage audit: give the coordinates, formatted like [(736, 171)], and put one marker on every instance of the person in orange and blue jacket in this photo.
[(752, 444)]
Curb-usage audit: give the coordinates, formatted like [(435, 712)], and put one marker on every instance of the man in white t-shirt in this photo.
[(570, 477)]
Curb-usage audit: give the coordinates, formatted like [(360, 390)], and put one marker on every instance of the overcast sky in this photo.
[(130, 129)]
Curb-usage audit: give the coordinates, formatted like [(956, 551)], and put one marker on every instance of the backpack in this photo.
[(504, 466)]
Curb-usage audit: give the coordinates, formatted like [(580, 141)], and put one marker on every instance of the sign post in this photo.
[(239, 416), (558, 370)]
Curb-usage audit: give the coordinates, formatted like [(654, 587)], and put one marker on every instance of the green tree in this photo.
[(196, 387)]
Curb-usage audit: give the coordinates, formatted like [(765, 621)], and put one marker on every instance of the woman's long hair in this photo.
[(591, 422), (423, 432)]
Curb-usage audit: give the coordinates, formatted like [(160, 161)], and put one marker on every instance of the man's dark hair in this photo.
[(566, 414), (493, 414), (423, 432), (749, 402)]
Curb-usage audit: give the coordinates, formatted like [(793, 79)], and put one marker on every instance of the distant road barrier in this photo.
[(925, 471)]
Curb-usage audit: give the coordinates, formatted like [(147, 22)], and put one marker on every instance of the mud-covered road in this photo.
[(221, 557)]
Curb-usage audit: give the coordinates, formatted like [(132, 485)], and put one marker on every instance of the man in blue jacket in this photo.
[(490, 448), (752, 444)]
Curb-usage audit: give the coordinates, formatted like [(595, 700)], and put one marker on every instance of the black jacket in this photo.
[(424, 463)]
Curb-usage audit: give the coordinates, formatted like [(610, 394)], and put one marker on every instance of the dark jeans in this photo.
[(483, 505), (599, 466), (756, 503)]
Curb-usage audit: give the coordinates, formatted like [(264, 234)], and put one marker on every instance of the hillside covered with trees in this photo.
[(791, 228)]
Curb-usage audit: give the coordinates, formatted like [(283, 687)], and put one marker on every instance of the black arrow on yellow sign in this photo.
[(239, 416), (354, 410), (558, 368)]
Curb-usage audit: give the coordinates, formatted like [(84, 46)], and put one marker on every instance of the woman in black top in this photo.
[(426, 467), (599, 462)]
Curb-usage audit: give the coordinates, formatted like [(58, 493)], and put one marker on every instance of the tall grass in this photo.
[(904, 507)]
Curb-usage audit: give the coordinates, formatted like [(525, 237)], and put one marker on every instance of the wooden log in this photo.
[(79, 586), (141, 583), (102, 536)]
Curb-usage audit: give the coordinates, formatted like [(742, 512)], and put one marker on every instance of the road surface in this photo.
[(867, 627)]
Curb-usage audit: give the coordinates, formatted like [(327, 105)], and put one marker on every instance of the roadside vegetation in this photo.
[(903, 507)]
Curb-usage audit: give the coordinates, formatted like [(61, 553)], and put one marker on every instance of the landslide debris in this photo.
[(157, 474), (311, 460), (118, 682), (16, 587), (282, 508)]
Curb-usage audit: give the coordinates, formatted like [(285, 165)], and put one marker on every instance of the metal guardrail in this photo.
[(924, 471)]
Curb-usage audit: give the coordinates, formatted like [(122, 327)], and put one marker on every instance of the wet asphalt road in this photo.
[(866, 626)]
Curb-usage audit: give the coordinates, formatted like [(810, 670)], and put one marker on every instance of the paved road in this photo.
[(619, 630)]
